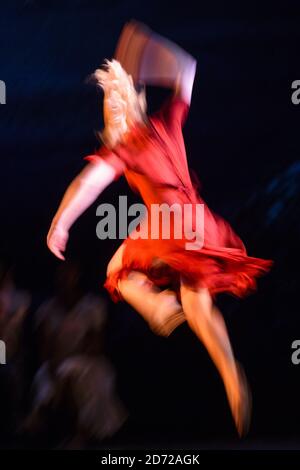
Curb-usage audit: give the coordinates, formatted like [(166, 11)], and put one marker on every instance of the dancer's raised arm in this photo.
[(154, 60), (185, 79), (81, 193)]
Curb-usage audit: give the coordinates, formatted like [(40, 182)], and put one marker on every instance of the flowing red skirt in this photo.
[(221, 265)]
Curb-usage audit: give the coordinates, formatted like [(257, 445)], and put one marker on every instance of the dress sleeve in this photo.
[(174, 112), (109, 157)]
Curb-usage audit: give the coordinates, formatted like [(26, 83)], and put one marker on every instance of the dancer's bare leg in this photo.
[(159, 308), (206, 321)]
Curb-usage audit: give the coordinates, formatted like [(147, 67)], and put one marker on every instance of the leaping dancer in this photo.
[(150, 152)]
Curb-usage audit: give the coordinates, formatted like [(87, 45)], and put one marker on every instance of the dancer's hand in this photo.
[(57, 239)]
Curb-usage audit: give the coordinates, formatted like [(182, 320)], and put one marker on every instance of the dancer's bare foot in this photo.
[(160, 309), (240, 401), (167, 313)]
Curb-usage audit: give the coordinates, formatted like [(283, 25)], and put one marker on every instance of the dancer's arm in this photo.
[(154, 60), (185, 79), (175, 109), (81, 193)]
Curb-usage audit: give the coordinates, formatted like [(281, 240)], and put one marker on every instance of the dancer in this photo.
[(161, 279)]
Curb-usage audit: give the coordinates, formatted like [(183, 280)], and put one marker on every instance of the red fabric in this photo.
[(110, 158), (155, 165)]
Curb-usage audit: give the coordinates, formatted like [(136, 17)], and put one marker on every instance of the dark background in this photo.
[(242, 138)]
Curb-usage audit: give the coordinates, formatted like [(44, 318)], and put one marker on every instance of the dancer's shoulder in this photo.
[(110, 158), (174, 111)]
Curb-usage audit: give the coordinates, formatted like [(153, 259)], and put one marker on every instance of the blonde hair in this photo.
[(125, 105)]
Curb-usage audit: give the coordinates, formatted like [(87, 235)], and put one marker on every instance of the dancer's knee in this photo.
[(115, 263), (113, 266), (132, 281), (139, 279)]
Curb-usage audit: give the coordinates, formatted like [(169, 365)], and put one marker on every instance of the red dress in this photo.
[(155, 165)]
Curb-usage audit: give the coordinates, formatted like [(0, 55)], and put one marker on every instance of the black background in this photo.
[(242, 138)]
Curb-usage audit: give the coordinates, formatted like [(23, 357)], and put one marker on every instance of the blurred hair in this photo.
[(123, 104)]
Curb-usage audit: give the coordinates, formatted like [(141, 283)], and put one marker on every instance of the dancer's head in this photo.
[(123, 105)]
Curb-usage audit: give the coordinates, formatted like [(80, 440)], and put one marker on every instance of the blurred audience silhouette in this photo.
[(72, 399)]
